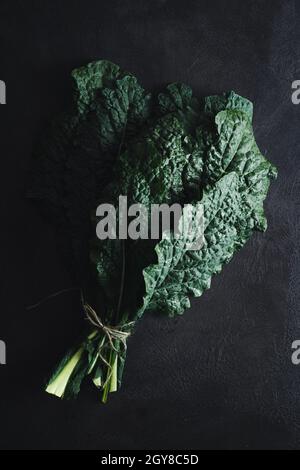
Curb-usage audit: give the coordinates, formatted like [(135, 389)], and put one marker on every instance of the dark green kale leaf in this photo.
[(236, 179), (75, 160), (166, 165)]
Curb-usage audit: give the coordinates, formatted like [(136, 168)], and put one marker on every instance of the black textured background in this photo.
[(221, 376)]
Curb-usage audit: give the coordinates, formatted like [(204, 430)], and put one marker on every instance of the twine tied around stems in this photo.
[(119, 333)]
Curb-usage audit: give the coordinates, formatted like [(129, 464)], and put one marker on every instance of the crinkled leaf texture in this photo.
[(171, 148), (237, 179), (75, 158)]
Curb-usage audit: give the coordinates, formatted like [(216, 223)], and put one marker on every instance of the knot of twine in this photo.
[(113, 333), (119, 333)]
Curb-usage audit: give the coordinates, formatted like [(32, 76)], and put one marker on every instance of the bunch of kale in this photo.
[(171, 148)]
